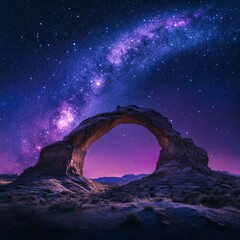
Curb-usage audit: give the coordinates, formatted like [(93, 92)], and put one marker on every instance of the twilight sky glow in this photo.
[(63, 61)]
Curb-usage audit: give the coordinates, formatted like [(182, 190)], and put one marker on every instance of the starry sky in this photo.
[(62, 61)]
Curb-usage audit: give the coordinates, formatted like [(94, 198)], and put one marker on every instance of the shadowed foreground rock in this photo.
[(66, 157)]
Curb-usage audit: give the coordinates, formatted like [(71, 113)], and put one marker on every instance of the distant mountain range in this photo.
[(228, 173), (117, 181), (112, 181)]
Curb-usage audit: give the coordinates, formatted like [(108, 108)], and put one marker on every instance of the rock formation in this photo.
[(66, 157)]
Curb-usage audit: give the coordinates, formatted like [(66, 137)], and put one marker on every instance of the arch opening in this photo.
[(126, 149), (103, 126)]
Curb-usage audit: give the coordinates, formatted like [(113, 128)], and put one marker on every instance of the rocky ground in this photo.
[(139, 219), (172, 203), (185, 186)]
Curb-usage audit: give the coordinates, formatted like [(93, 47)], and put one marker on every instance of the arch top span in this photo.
[(67, 156), (94, 127)]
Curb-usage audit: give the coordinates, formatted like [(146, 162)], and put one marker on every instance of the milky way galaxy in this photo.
[(67, 64), (135, 51)]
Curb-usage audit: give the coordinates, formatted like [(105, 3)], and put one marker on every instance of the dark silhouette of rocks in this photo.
[(66, 157), (182, 197)]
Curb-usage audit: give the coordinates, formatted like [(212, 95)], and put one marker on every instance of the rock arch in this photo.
[(66, 157)]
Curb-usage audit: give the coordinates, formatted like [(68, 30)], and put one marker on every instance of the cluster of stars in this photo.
[(69, 65), (66, 117)]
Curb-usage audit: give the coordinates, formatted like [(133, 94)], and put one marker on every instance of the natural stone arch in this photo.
[(67, 156)]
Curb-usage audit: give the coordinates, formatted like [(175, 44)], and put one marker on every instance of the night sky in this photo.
[(62, 61)]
